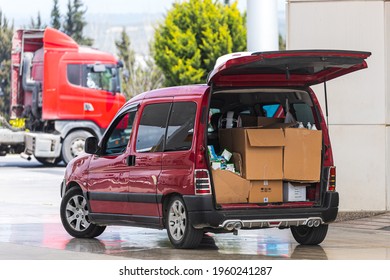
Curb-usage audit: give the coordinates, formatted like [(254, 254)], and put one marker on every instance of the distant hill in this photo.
[(105, 29)]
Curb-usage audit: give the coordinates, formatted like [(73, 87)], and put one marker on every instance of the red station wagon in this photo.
[(249, 150)]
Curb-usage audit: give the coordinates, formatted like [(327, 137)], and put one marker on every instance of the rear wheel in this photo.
[(73, 144), (75, 215), (309, 235), (180, 231)]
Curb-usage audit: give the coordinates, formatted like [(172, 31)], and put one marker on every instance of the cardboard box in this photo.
[(266, 191), (237, 161), (302, 155), (229, 187), (294, 192), (261, 151), (251, 121)]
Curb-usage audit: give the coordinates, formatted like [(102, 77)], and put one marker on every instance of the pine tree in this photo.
[(74, 22), (68, 25), (137, 77), (38, 23), (55, 21), (6, 32), (126, 54), (194, 34)]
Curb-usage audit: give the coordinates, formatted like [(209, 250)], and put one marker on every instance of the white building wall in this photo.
[(358, 103)]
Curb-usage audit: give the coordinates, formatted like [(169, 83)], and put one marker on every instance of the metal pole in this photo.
[(262, 25)]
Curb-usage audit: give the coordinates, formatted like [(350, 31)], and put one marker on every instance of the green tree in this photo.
[(37, 24), (127, 55), (55, 15), (282, 43), (6, 32), (74, 22), (138, 76), (193, 35)]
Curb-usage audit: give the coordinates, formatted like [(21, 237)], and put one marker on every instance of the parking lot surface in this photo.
[(30, 229)]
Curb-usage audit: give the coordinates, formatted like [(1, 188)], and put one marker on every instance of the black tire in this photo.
[(180, 231), (73, 144), (48, 162), (309, 235), (74, 215)]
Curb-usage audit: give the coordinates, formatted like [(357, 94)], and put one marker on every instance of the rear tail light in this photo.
[(332, 179), (202, 182)]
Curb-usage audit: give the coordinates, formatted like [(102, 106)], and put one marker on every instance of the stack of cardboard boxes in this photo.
[(273, 156)]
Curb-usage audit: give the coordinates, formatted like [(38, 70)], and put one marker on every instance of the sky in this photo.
[(22, 11), (16, 9)]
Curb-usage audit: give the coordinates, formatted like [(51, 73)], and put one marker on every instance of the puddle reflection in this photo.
[(154, 244)]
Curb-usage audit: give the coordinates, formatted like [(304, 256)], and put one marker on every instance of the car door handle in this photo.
[(130, 160)]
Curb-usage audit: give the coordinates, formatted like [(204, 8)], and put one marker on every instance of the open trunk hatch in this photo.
[(286, 68)]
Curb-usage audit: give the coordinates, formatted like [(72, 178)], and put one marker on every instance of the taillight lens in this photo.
[(332, 179), (202, 182)]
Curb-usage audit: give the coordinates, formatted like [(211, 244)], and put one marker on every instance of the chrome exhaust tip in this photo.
[(317, 223), (237, 226), (310, 223), (229, 226)]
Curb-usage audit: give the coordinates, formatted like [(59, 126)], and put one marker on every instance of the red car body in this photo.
[(146, 188)]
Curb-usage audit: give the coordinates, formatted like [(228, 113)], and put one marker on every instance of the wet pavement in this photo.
[(30, 228)]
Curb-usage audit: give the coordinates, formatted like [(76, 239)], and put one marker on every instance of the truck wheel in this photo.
[(180, 231), (75, 215), (309, 235), (73, 144)]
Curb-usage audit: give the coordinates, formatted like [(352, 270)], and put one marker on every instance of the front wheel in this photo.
[(180, 232), (75, 215), (309, 235)]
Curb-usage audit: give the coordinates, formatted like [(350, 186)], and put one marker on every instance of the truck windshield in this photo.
[(85, 76)]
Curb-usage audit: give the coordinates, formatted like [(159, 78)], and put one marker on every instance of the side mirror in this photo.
[(91, 145), (114, 85)]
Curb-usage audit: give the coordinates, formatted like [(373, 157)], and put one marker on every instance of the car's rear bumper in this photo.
[(202, 214)]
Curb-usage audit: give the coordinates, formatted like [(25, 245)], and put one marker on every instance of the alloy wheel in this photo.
[(177, 220), (77, 213)]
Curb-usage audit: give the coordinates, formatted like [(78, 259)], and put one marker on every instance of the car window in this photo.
[(151, 130), (83, 75), (99, 80), (74, 74), (303, 113), (119, 137), (181, 126)]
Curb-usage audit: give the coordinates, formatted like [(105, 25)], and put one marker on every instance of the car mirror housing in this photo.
[(91, 145)]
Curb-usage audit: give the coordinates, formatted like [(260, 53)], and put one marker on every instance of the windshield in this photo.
[(106, 78)]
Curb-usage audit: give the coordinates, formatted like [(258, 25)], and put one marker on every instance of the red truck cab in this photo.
[(162, 163), (66, 92)]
